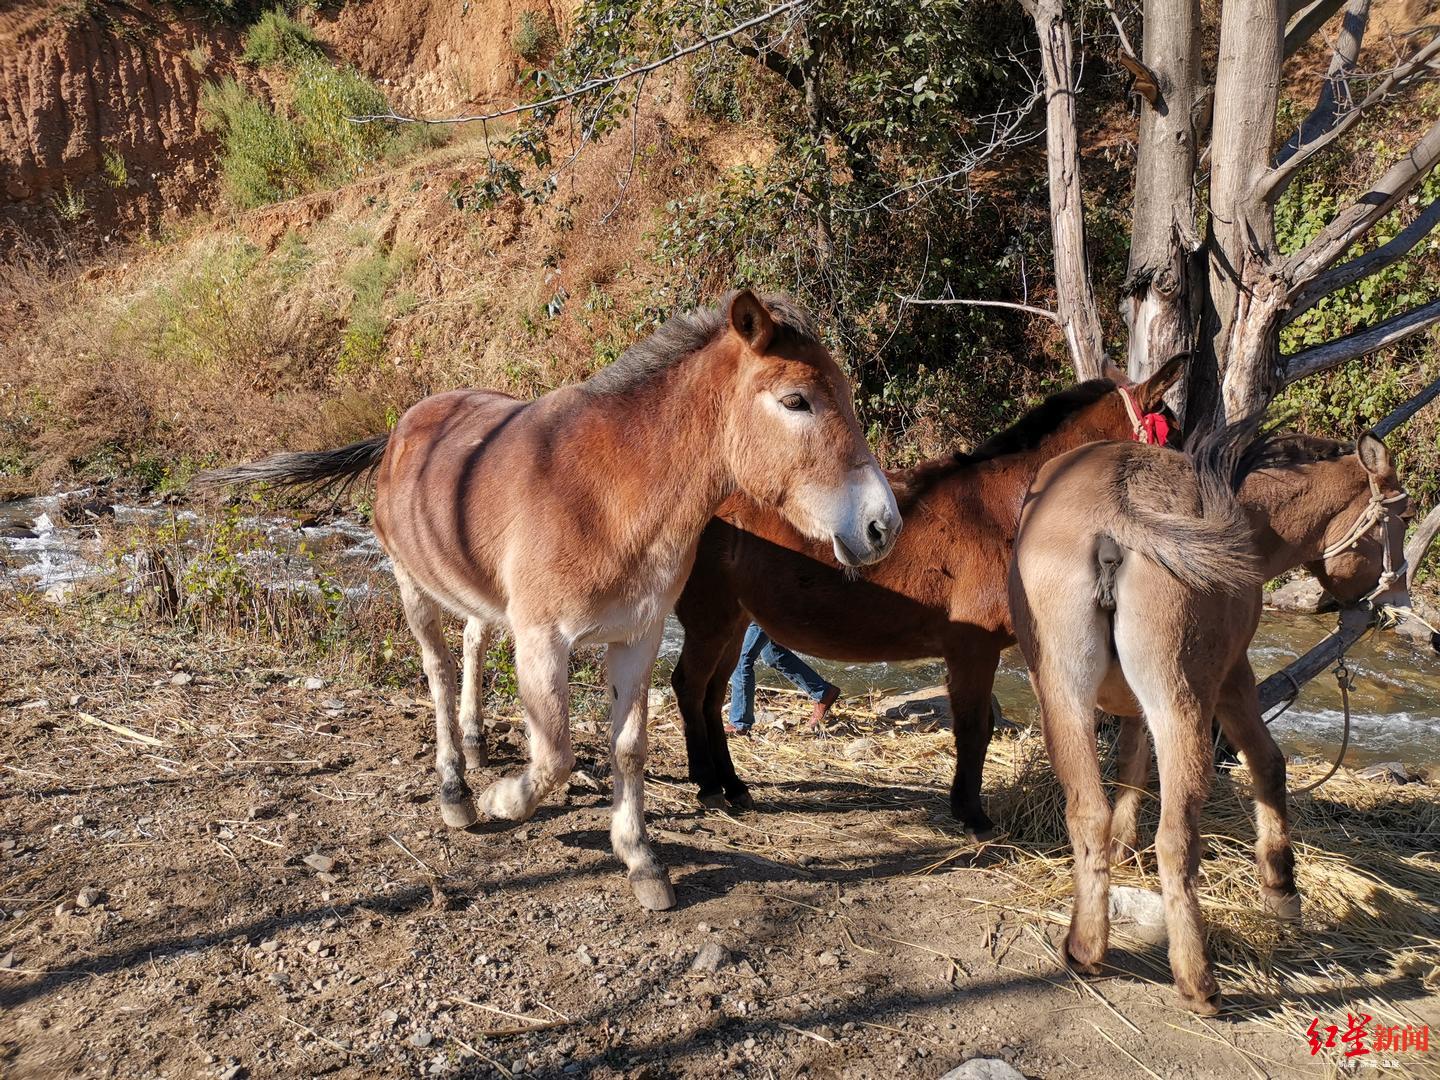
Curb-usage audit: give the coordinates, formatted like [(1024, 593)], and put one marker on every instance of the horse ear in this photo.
[(751, 321), (1152, 391), (1113, 373), (1373, 454)]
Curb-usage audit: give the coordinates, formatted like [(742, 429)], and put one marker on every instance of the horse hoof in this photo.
[(1076, 964), (1203, 1006), (1285, 906), (713, 802), (502, 801), (981, 835), (459, 813), (475, 755), (653, 889), (741, 800)]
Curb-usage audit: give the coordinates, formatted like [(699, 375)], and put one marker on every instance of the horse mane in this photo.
[(688, 332), (1024, 434), (1286, 449)]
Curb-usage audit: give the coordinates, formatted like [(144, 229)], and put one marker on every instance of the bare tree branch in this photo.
[(1360, 216), (1030, 308), (1420, 543), (593, 84), (1372, 262), (1396, 79), (1303, 23), (1332, 353), (1079, 317), (1404, 411), (1334, 96), (1286, 683)]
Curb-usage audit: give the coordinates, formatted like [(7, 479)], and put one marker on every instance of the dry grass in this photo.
[(1364, 851)]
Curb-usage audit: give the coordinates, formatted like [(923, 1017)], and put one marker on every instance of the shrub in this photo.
[(277, 39), (534, 36), (117, 173), (263, 157)]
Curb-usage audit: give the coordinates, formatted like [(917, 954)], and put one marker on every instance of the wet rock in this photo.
[(984, 1069), (89, 897), (1302, 594), (1389, 772), (711, 958), (860, 749), (322, 863)]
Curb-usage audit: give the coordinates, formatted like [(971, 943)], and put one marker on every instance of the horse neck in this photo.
[(666, 458), (1292, 509), (1007, 478)]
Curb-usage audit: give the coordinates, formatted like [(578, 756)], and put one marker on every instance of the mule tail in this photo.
[(318, 472), (1212, 551)]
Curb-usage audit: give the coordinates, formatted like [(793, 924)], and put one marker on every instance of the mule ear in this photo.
[(1373, 454), (1113, 373), (1152, 391), (751, 321)]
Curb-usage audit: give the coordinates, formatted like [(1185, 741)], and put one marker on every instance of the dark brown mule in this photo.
[(573, 519), (940, 593), (1135, 586)]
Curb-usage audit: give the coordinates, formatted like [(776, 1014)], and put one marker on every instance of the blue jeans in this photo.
[(758, 646)]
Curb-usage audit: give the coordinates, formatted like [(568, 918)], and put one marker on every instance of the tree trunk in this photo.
[(1075, 299), (1237, 369), (1157, 299)]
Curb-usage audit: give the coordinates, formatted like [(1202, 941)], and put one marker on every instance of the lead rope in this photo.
[(1346, 682)]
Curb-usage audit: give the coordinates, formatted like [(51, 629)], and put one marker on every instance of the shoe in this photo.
[(822, 707), (736, 729)]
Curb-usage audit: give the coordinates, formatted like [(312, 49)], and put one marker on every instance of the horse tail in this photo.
[(328, 472), (1212, 551)]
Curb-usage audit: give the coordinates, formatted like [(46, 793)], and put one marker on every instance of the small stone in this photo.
[(270, 945), (89, 897), (711, 958), (583, 955), (580, 780), (322, 863), (389, 1018), (280, 979), (181, 678), (333, 703), (984, 1069), (314, 682), (234, 1072), (78, 821), (64, 907), (421, 1039), (829, 958), (703, 928), (314, 946), (860, 749), (7, 962), (1388, 772)]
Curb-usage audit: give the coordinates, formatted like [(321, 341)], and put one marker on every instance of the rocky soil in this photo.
[(218, 864)]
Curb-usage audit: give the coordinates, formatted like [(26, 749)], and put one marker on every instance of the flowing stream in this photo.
[(1395, 707)]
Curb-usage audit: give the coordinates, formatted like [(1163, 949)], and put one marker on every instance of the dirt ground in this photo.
[(161, 917)]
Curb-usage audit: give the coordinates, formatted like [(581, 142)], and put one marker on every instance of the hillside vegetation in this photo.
[(341, 271)]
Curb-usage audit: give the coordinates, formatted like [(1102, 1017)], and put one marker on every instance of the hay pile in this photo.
[(1365, 853)]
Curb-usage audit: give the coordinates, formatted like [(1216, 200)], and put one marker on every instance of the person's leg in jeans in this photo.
[(742, 681), (803, 677)]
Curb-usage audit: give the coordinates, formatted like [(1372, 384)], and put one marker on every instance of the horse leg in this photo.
[(472, 732), (1181, 726), (629, 666), (970, 681), (737, 794), (694, 672), (1132, 752), (541, 659), (423, 614), (1239, 713)]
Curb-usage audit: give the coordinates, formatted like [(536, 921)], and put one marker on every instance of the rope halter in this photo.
[(1150, 428), (1377, 510)]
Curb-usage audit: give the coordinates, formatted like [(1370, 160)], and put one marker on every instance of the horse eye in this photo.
[(795, 403)]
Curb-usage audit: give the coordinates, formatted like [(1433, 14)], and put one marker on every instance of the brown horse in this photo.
[(573, 519), (940, 593), (1135, 586)]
